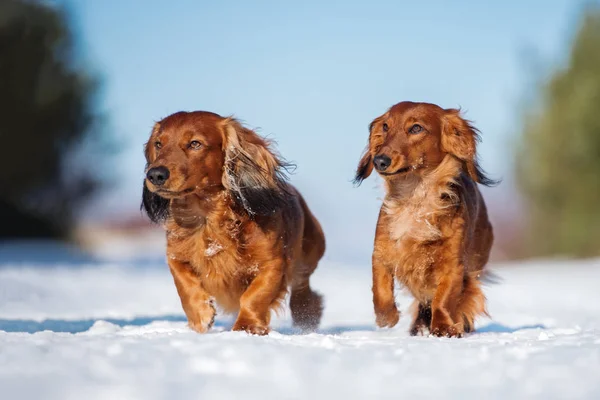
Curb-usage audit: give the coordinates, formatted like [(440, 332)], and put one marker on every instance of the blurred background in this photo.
[(82, 82)]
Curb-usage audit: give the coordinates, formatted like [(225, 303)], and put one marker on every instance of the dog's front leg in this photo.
[(258, 299), (197, 304), (384, 302)]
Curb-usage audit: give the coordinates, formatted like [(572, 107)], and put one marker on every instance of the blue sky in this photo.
[(312, 75)]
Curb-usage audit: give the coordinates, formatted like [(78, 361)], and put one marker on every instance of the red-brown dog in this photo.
[(237, 233), (433, 233)]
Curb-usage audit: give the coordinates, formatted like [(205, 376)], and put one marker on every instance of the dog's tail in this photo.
[(472, 302)]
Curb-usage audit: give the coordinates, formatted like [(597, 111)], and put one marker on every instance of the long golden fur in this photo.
[(433, 234), (238, 235)]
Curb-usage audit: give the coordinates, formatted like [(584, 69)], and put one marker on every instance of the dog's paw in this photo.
[(251, 327), (388, 318), (204, 318), (418, 329), (198, 327), (446, 330)]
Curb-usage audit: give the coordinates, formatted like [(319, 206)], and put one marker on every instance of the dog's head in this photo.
[(414, 138), (201, 153)]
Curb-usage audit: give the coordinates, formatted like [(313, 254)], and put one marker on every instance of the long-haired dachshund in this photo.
[(433, 234), (238, 235)]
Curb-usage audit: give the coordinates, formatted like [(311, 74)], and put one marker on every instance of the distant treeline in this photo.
[(46, 103), (558, 163)]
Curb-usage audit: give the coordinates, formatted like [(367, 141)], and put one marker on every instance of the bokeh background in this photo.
[(82, 82)]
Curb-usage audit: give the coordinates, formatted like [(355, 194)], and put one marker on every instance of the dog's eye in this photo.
[(194, 144), (385, 127), (416, 128), (157, 144)]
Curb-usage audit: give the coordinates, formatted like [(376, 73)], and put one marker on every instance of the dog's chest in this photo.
[(412, 234), (216, 259), (410, 224), (414, 217)]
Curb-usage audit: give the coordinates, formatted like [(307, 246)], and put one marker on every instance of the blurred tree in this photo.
[(558, 165), (46, 112)]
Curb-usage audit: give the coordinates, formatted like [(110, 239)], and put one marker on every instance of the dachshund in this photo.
[(433, 234), (238, 234)]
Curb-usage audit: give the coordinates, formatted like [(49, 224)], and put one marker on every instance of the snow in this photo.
[(116, 331), (213, 248)]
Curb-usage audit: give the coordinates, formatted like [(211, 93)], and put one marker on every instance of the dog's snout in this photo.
[(158, 175), (382, 162)]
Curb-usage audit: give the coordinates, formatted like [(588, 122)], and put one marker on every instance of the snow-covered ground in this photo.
[(117, 332)]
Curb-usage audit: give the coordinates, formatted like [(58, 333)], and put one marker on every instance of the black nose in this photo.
[(381, 162), (158, 175)]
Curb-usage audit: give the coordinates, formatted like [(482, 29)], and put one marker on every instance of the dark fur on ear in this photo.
[(156, 207), (254, 175), (459, 138), (364, 169), (365, 165)]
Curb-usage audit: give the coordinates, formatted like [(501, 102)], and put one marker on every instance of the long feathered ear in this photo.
[(365, 165), (459, 138), (254, 175), (156, 207)]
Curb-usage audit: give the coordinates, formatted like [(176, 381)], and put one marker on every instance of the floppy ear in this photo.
[(156, 207), (365, 165), (253, 174), (459, 138)]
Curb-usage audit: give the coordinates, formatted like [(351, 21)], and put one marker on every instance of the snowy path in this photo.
[(543, 341)]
